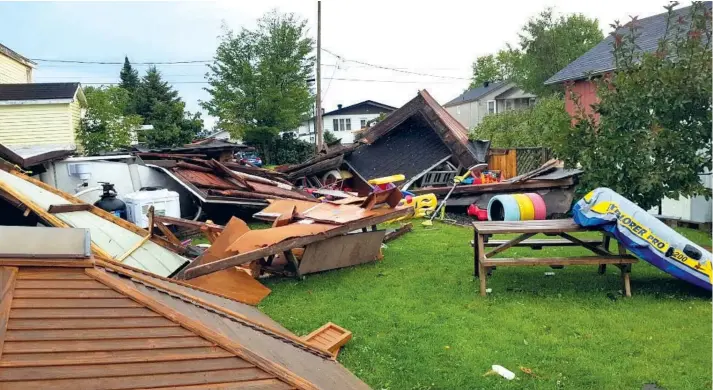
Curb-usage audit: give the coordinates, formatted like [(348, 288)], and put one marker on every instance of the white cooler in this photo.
[(164, 202)]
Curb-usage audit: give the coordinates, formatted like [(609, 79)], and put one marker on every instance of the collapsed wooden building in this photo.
[(425, 144), (71, 321)]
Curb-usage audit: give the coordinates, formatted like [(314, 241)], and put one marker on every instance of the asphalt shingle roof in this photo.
[(475, 93), (38, 91), (600, 59)]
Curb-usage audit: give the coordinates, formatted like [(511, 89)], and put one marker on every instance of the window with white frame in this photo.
[(492, 108), (363, 123), (341, 124), (349, 124), (335, 124)]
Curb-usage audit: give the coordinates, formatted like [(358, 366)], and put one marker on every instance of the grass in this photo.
[(419, 323)]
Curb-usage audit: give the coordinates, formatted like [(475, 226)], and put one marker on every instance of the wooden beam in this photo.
[(535, 261), (587, 245), (8, 276), (167, 233), (68, 208), (297, 242), (71, 263), (142, 241), (203, 331), (398, 232), (509, 244), (187, 223)]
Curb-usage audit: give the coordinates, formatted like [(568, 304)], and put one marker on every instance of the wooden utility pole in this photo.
[(318, 116)]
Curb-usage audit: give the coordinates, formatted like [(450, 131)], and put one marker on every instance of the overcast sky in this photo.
[(439, 38)]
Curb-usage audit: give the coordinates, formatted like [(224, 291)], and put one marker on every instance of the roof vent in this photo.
[(486, 83), (339, 106)]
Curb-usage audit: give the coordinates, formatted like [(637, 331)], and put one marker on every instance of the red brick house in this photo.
[(599, 60)]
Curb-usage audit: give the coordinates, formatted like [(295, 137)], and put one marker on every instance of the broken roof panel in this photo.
[(26, 156), (409, 151), (450, 131), (121, 329), (112, 239)]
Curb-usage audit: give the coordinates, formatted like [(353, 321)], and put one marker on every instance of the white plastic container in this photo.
[(165, 203)]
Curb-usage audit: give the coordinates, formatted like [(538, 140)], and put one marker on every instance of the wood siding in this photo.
[(587, 92), (13, 72), (25, 124)]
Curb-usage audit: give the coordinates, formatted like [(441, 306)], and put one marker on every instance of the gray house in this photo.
[(490, 98)]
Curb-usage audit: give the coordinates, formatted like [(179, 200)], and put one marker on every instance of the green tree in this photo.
[(540, 125), (158, 103), (129, 77), (329, 137), (258, 81), (548, 44), (649, 136), (105, 127), (486, 68)]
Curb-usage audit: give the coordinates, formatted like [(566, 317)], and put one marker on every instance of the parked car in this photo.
[(249, 158)]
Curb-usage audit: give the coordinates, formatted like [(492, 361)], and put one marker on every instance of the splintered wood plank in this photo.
[(73, 303), (83, 313), (61, 284), (113, 357), (57, 294), (68, 208), (125, 369), (89, 323), (103, 345), (132, 382), (50, 273), (264, 384), (95, 334)]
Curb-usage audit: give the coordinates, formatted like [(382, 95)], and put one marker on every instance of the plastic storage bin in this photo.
[(165, 203)]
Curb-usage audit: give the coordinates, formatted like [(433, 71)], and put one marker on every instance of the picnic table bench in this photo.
[(484, 261)]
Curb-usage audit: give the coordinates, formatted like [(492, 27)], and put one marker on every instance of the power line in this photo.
[(326, 78), (393, 69), (122, 63)]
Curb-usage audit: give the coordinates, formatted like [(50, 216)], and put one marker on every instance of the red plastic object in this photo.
[(539, 204), (477, 212)]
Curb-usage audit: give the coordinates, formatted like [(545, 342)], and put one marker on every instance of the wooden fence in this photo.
[(516, 161)]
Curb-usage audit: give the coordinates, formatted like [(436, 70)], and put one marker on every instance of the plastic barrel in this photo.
[(503, 208), (539, 204), (527, 209)]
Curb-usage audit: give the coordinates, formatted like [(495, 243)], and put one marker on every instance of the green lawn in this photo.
[(419, 322)]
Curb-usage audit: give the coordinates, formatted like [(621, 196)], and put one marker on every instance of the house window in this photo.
[(341, 124), (335, 124), (363, 123), (531, 101), (349, 124), (492, 108), (509, 104)]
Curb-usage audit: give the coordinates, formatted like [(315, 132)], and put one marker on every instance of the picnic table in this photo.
[(484, 262)]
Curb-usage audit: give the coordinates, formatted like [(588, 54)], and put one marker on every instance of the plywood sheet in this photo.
[(341, 251), (256, 239), (233, 283), (280, 206), (219, 249), (338, 214)]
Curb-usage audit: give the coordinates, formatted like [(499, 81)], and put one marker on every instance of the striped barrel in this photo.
[(516, 207)]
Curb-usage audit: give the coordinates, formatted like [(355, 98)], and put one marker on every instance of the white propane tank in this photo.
[(165, 203)]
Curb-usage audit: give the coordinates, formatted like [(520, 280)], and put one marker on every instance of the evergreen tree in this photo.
[(129, 77), (158, 103)]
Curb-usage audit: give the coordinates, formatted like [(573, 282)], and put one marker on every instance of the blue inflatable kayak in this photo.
[(645, 236)]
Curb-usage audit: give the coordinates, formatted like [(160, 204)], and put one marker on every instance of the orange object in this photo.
[(330, 337), (233, 230), (233, 283)]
